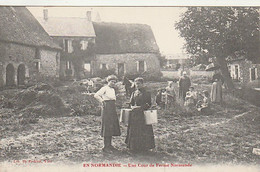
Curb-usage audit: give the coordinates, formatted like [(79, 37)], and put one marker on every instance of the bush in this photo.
[(148, 76), (200, 79), (102, 73), (40, 78), (153, 76), (253, 84)]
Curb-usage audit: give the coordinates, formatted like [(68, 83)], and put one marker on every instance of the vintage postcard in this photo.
[(144, 88)]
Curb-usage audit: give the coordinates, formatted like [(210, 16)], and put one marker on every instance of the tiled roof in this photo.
[(113, 38), (18, 25), (59, 26)]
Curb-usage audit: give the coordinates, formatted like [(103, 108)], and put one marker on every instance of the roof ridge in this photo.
[(64, 18)]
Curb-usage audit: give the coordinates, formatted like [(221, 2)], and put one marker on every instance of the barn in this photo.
[(26, 50)]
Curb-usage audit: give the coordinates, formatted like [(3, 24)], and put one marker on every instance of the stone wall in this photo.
[(76, 53), (130, 61), (50, 63), (15, 55), (18, 54), (244, 70)]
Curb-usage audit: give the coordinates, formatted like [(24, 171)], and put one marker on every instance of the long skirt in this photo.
[(139, 135), (182, 93), (110, 123), (216, 92)]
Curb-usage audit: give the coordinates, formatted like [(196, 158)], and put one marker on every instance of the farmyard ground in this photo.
[(226, 136)]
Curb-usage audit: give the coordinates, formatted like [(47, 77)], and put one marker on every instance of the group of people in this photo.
[(140, 137), (165, 97), (191, 99), (201, 101)]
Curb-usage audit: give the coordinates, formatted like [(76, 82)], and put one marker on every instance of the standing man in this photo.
[(110, 124), (184, 85)]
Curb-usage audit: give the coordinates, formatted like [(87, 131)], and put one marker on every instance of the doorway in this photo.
[(21, 74), (10, 75)]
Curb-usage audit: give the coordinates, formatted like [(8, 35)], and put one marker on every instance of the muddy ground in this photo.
[(36, 130)]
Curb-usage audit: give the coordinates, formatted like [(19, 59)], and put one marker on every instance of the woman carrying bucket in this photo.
[(140, 137)]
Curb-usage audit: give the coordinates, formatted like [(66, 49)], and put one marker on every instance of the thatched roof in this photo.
[(18, 25), (68, 26), (116, 38)]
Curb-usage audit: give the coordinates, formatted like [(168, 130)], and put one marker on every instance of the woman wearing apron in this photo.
[(110, 124), (140, 137)]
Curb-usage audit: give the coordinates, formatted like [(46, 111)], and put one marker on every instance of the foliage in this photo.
[(220, 32), (41, 78), (102, 73), (162, 60), (79, 56), (147, 76)]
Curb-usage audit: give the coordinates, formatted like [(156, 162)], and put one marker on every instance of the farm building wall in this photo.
[(244, 74), (130, 61), (68, 71), (14, 57)]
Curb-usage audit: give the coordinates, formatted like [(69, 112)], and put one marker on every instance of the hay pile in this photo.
[(40, 100), (79, 101)]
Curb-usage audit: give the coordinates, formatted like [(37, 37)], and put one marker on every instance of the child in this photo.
[(191, 97), (203, 106), (170, 94), (159, 98)]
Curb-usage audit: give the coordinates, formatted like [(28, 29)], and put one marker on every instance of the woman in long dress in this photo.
[(170, 94), (140, 137), (216, 88), (110, 123)]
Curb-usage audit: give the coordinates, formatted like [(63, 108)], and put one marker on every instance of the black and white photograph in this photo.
[(167, 88)]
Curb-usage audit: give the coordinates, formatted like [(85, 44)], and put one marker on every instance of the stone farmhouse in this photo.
[(93, 46), (126, 49), (26, 50), (76, 36), (243, 70)]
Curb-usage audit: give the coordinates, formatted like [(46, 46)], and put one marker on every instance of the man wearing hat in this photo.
[(110, 124), (184, 85)]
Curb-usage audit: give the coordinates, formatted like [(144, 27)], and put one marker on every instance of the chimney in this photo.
[(45, 14), (98, 18), (89, 16)]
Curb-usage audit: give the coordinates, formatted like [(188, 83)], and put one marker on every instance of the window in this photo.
[(37, 66), (68, 46), (103, 66), (68, 65), (84, 45), (229, 69), (253, 73), (37, 53), (87, 67), (235, 72), (141, 66)]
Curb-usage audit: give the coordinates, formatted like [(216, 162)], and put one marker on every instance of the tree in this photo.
[(162, 59), (221, 32)]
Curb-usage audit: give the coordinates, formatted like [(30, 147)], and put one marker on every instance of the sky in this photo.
[(161, 20)]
